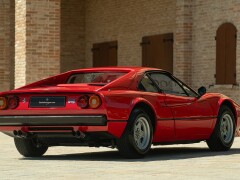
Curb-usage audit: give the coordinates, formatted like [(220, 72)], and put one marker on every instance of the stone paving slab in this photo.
[(193, 161)]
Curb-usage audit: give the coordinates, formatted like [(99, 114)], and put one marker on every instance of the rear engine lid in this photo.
[(59, 88)]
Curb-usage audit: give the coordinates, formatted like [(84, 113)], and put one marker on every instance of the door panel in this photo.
[(165, 130), (164, 127), (193, 117)]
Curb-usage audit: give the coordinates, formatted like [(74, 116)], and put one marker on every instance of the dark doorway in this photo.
[(226, 54), (105, 54), (157, 51)]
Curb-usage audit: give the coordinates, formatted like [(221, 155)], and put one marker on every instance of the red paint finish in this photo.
[(165, 131), (192, 116), (175, 118)]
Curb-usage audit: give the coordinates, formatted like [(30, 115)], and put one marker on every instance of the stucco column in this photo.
[(6, 44), (183, 41), (37, 40)]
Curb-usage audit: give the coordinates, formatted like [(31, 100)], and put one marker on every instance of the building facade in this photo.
[(197, 40)]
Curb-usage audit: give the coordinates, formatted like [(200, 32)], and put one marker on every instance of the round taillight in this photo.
[(12, 102), (3, 103), (94, 101), (83, 101)]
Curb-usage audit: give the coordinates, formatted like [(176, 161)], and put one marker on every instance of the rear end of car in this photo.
[(70, 114)]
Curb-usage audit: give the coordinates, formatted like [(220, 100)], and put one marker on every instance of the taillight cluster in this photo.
[(9, 102), (89, 101)]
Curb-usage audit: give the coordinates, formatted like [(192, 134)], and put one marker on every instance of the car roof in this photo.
[(118, 68)]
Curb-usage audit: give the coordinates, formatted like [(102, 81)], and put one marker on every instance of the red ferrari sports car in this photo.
[(129, 108)]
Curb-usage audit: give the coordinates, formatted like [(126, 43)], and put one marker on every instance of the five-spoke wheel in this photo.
[(223, 135), (141, 133), (136, 140), (226, 128)]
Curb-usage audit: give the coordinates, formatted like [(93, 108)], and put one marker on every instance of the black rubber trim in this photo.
[(95, 120)]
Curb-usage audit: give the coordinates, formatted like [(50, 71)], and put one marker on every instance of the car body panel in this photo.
[(192, 116), (176, 118)]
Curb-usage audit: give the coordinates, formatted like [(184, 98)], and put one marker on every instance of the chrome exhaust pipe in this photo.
[(79, 134), (15, 133), (20, 134), (74, 133)]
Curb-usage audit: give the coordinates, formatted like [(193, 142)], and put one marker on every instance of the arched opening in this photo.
[(226, 54)]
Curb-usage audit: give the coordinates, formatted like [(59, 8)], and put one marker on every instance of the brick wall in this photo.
[(183, 41), (39, 28), (37, 40), (20, 43), (207, 17), (127, 22), (6, 44), (12, 44), (72, 34), (43, 39)]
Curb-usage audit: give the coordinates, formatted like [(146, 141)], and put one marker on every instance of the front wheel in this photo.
[(29, 148), (223, 135), (136, 140)]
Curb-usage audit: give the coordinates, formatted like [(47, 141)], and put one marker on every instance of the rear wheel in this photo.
[(223, 135), (29, 148), (136, 140)]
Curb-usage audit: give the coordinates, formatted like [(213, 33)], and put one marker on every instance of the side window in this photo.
[(167, 84), (147, 85), (189, 91)]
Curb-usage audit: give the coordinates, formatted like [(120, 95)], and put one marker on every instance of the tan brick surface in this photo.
[(72, 34), (207, 17), (20, 43), (6, 44), (37, 40), (127, 21), (183, 41), (56, 36)]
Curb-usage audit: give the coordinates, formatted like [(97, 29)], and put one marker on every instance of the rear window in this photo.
[(94, 77)]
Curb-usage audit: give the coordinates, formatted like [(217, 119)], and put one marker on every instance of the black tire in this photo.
[(219, 141), (28, 148), (127, 144)]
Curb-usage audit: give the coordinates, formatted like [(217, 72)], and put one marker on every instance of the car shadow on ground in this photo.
[(156, 154)]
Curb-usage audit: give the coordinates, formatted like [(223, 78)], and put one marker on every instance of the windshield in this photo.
[(94, 77)]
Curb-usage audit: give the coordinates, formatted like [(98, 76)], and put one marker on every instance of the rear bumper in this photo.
[(53, 120), (83, 123)]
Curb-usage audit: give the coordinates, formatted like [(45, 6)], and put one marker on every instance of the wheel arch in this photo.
[(231, 106), (149, 110)]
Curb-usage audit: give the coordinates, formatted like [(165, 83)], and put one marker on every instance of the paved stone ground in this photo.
[(163, 162)]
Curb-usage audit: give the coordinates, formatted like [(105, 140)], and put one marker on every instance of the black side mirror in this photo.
[(202, 90)]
